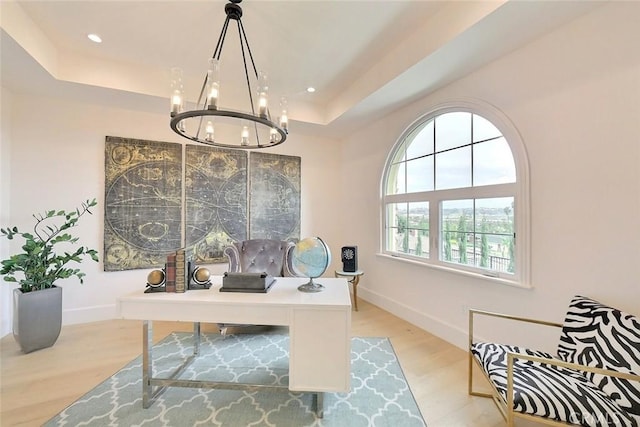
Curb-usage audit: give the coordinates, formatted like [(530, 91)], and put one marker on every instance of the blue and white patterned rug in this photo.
[(380, 395)]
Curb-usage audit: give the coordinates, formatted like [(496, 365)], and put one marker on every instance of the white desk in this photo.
[(319, 329)]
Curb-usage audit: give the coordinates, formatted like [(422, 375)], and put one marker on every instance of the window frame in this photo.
[(518, 190)]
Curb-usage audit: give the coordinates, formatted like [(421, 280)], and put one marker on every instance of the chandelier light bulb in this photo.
[(284, 117), (284, 121), (273, 135), (244, 136), (209, 131), (262, 105), (177, 100), (213, 80), (213, 97), (263, 90)]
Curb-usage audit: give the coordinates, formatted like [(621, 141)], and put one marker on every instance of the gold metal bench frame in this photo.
[(506, 407)]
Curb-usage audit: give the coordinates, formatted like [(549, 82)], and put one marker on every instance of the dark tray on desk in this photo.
[(247, 282), (249, 290)]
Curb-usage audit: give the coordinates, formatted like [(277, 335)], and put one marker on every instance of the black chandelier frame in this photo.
[(233, 12)]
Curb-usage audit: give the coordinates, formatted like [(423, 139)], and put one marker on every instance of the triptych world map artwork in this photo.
[(155, 203)]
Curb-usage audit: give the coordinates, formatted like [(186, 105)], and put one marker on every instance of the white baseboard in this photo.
[(81, 315), (433, 325), (88, 314)]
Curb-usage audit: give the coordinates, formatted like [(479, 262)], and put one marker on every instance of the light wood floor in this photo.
[(38, 385)]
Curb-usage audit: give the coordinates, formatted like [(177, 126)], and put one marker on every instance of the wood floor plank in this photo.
[(34, 387)]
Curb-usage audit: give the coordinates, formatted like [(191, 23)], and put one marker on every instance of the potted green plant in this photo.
[(37, 302)]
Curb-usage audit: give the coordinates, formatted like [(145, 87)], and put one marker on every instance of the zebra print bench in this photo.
[(592, 381)]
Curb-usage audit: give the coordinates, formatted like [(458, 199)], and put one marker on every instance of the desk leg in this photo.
[(320, 404), (196, 338), (147, 362)]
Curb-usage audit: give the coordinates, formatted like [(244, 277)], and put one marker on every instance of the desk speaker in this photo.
[(349, 256)]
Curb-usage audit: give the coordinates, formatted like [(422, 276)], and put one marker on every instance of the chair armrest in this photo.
[(473, 312), (233, 256), (287, 268), (575, 366)]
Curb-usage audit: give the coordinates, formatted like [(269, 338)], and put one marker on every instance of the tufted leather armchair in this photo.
[(260, 255)]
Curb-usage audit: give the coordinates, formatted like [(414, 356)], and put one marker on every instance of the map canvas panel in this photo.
[(274, 196), (216, 200), (143, 202)]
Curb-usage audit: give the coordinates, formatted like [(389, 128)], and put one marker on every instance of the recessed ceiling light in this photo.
[(311, 89), (95, 38)]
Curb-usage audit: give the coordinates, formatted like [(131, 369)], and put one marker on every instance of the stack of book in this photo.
[(177, 271), (170, 273)]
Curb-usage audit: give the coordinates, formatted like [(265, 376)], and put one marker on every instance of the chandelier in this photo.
[(209, 124)]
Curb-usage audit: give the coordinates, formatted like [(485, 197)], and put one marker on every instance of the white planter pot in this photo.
[(37, 318)]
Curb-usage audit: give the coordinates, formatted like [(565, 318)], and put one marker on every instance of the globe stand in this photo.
[(311, 286), (310, 258)]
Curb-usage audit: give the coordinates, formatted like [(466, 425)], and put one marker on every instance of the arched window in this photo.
[(455, 194)]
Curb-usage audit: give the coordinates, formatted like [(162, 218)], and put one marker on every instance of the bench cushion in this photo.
[(596, 335), (548, 391)]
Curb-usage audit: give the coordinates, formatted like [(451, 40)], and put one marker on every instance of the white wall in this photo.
[(58, 162), (5, 197), (574, 97)]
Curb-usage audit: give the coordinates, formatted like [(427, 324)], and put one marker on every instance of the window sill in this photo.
[(485, 277)]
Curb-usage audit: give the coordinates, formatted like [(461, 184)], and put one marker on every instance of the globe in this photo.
[(155, 278), (310, 258), (201, 275)]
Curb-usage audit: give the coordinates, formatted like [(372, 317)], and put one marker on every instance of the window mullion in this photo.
[(434, 230)]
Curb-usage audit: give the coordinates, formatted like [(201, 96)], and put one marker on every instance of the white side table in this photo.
[(353, 277)]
